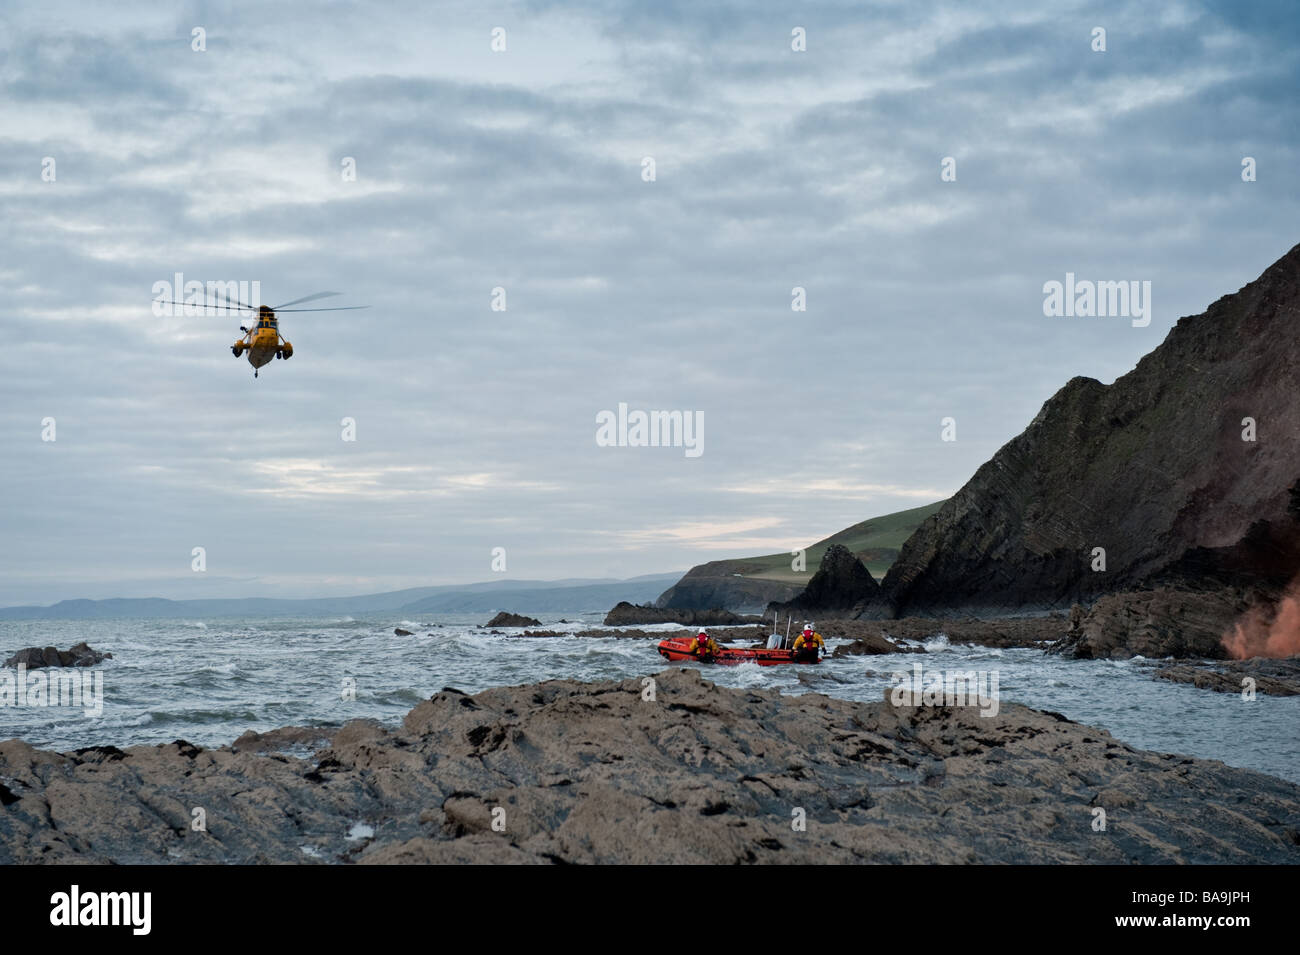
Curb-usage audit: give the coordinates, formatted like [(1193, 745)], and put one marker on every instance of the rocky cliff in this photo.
[(841, 584), (1185, 471)]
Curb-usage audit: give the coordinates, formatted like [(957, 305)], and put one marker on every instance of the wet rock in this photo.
[(596, 773), (872, 645), (398, 631), (79, 655), (504, 619)]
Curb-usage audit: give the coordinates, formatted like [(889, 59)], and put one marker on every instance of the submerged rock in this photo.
[(79, 655), (574, 772)]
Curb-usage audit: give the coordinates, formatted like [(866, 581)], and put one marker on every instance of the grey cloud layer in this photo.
[(522, 169)]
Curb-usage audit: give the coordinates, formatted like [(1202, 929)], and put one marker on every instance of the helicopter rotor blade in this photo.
[(344, 308), (235, 301), (236, 308), (305, 298)]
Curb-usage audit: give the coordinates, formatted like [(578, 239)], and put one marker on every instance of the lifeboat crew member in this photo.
[(809, 642), (703, 646)]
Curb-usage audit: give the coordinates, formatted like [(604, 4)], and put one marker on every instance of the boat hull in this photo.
[(675, 650)]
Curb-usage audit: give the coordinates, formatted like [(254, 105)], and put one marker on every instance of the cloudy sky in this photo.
[(524, 169)]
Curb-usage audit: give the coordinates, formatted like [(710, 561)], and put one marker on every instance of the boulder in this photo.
[(872, 645), (505, 619), (79, 655)]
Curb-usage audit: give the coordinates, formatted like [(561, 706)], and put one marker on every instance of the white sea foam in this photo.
[(359, 831)]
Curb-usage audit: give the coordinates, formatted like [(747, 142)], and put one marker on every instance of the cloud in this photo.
[(522, 170)]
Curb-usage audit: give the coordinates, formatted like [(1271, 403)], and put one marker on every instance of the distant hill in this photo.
[(524, 596), (748, 584)]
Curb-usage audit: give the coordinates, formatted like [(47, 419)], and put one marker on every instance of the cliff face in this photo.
[(1152, 468)]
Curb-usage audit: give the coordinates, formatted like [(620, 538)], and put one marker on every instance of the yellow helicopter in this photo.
[(263, 341)]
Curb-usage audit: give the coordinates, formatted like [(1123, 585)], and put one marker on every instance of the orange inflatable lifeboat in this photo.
[(677, 650)]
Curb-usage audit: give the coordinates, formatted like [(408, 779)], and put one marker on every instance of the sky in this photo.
[(519, 176)]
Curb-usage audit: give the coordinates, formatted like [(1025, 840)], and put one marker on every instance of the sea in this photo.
[(209, 681)]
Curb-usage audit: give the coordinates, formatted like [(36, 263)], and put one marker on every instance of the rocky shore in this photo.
[(671, 771)]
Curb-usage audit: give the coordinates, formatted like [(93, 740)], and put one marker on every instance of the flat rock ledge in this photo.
[(1271, 677), (610, 772)]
